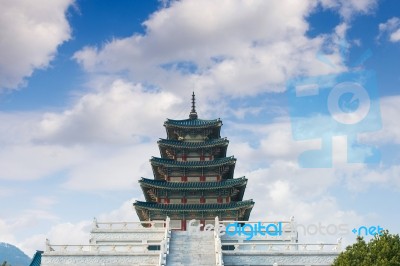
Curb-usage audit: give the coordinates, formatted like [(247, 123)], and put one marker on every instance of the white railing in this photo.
[(120, 248), (164, 248), (281, 247), (145, 225), (218, 246)]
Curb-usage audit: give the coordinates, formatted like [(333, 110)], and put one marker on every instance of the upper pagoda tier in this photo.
[(175, 149), (193, 129), (217, 169)]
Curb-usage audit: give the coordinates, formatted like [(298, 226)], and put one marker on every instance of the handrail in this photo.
[(301, 247), (164, 247), (145, 225), (218, 246), (132, 247)]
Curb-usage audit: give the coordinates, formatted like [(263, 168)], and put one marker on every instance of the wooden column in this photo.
[(203, 222), (183, 225)]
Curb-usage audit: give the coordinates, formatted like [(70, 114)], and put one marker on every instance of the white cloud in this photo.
[(97, 143), (125, 212), (395, 36), (32, 161), (30, 33), (6, 234), (277, 148), (391, 28), (225, 47), (10, 227), (121, 114), (390, 132), (113, 169), (63, 233), (348, 8), (68, 233), (44, 201), (284, 190)]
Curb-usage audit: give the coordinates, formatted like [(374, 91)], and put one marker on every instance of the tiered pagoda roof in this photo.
[(193, 123), (192, 164), (193, 145), (162, 167), (233, 188), (193, 179), (162, 184), (217, 146), (157, 211)]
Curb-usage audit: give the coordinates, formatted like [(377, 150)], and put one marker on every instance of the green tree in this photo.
[(5, 264), (382, 250)]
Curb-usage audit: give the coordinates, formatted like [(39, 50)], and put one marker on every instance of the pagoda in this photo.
[(193, 177)]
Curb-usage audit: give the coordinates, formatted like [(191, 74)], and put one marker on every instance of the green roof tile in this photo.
[(236, 205), (193, 123), (162, 184), (193, 164), (189, 144)]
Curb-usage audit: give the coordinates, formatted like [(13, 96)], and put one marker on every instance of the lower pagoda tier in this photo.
[(162, 191), (237, 211)]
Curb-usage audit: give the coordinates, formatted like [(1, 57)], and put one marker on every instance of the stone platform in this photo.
[(154, 243)]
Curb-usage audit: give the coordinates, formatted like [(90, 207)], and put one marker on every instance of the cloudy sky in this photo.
[(86, 85)]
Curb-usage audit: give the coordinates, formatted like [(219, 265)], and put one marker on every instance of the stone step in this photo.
[(198, 247), (205, 247), (195, 250), (191, 243), (194, 263), (191, 249), (193, 255), (186, 261), (193, 239), (177, 250), (188, 243)]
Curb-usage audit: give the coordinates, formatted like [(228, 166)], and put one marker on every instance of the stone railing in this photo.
[(145, 225), (218, 246), (87, 249), (164, 247), (280, 247)]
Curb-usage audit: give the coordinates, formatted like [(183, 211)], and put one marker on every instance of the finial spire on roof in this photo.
[(193, 113)]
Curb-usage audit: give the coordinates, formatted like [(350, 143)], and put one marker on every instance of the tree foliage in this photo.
[(382, 250)]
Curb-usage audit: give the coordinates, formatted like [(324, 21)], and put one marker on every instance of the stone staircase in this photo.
[(188, 248)]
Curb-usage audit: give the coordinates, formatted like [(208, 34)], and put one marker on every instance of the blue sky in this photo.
[(86, 85)]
